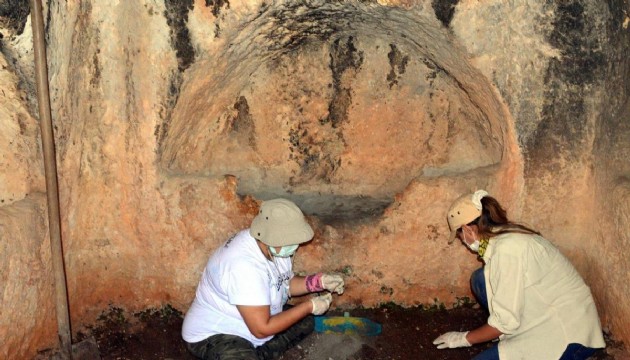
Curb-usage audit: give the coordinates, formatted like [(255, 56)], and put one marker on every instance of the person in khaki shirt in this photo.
[(539, 306)]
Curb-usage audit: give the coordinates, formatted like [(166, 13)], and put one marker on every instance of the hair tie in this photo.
[(476, 198)]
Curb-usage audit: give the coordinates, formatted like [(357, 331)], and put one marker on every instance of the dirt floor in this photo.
[(406, 334)]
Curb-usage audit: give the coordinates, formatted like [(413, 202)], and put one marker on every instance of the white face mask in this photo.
[(474, 246), (285, 251)]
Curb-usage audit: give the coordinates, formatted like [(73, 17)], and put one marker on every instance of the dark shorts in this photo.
[(231, 347)]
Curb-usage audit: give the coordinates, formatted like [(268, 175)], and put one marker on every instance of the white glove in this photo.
[(333, 283), (321, 303), (451, 340)]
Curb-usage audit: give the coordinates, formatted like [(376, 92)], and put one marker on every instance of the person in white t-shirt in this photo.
[(539, 306), (239, 310)]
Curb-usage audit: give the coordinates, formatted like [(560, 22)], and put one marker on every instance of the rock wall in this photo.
[(610, 188), (174, 119), (27, 319)]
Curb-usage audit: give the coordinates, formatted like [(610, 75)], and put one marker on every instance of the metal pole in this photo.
[(52, 190)]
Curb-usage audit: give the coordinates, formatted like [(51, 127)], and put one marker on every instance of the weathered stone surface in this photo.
[(13, 15), (27, 320), (396, 259), (20, 156), (397, 104), (507, 42), (612, 266), (611, 189), (172, 120)]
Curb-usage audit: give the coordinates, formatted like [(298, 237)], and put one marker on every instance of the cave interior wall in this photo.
[(174, 120)]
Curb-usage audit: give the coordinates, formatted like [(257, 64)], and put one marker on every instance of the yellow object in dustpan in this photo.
[(346, 325)]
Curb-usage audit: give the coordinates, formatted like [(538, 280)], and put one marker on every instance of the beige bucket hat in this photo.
[(280, 223), (464, 210)]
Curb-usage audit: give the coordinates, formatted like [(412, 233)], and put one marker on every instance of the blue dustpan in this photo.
[(347, 325)]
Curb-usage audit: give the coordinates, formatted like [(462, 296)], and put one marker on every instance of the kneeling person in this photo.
[(240, 311)]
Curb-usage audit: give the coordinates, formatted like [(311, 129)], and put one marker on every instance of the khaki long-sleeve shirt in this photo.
[(537, 299)]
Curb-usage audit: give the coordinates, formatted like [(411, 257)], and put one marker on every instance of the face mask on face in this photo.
[(474, 246), (285, 251)]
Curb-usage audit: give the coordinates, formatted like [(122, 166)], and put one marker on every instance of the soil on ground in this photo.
[(407, 333)]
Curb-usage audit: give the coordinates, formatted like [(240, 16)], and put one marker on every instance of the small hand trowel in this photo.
[(346, 325)]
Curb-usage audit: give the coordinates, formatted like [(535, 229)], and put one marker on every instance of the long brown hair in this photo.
[(493, 220)]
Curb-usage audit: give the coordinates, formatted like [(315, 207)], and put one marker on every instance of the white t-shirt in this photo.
[(537, 299), (237, 274)]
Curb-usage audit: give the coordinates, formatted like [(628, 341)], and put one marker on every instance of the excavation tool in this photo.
[(86, 349)]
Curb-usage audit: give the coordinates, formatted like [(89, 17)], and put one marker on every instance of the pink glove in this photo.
[(314, 282), (320, 281)]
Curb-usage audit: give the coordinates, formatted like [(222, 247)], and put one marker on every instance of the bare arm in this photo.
[(261, 324), (482, 334), (297, 286)]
